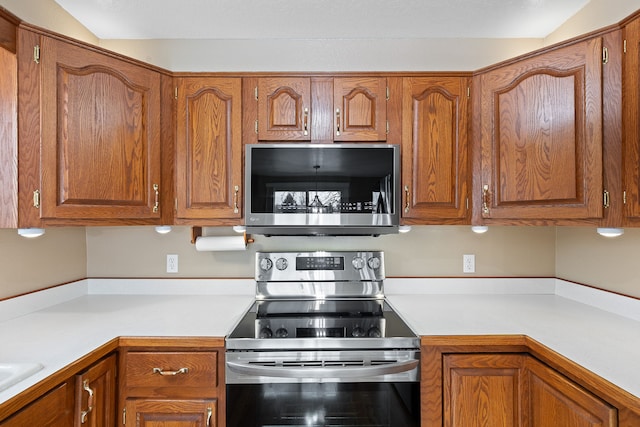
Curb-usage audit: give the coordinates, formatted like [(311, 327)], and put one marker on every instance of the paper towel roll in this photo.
[(221, 243)]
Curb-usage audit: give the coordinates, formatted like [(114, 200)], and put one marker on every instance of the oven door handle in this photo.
[(323, 372)]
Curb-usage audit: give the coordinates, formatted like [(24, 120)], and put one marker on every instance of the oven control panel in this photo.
[(319, 266)]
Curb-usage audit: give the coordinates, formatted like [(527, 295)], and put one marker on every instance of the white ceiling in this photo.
[(321, 19)]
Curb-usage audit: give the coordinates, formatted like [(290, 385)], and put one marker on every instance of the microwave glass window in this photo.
[(325, 180)]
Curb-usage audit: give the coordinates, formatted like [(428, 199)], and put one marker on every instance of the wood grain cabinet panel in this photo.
[(483, 390), (360, 108), (541, 136), (100, 135), (209, 148), (631, 120), (435, 150), (95, 399), (284, 109), (54, 409), (555, 401), (174, 413)]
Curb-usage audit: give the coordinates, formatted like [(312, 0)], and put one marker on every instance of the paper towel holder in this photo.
[(197, 232)]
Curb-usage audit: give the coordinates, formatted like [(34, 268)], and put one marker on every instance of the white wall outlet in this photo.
[(468, 263), (172, 263)]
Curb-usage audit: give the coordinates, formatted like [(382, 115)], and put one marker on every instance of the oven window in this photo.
[(324, 404)]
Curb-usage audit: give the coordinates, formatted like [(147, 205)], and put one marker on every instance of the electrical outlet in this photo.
[(172, 263), (468, 263)]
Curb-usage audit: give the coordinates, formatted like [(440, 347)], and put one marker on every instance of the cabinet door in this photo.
[(209, 148), (541, 136), (96, 395), (631, 108), (360, 109), (284, 109), (54, 409), (100, 135), (483, 390), (434, 149), (174, 413), (556, 401)]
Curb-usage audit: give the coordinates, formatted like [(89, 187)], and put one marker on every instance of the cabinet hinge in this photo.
[(624, 46), (605, 199), (36, 54), (624, 197), (387, 127), (255, 92), (605, 55), (124, 417), (388, 93), (468, 92), (255, 127), (176, 92), (467, 203)]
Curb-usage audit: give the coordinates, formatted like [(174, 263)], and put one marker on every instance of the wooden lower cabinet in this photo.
[(516, 390), (54, 409), (177, 383), (95, 400), (174, 413)]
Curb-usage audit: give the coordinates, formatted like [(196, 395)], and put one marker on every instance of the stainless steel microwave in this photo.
[(322, 189)]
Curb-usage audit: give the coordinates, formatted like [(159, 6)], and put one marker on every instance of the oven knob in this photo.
[(282, 333), (374, 262), (358, 263), (265, 333), (282, 263), (358, 332), (374, 332), (266, 264)]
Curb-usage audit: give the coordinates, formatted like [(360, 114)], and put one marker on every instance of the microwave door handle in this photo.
[(322, 372)]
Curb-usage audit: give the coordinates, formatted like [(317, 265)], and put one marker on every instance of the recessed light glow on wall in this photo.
[(479, 229), (163, 229), (239, 228), (610, 232), (404, 229), (30, 233)]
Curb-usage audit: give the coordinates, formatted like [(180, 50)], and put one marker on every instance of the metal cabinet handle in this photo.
[(85, 414), (235, 198), (170, 373), (337, 122), (406, 195), (209, 414), (156, 206), (306, 121), (485, 199)]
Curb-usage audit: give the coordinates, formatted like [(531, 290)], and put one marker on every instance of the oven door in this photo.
[(316, 388)]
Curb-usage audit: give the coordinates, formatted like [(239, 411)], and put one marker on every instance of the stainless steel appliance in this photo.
[(322, 189), (321, 346)]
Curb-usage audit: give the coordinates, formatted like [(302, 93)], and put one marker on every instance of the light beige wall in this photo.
[(48, 14), (584, 256), (27, 265), (425, 251), (595, 15)]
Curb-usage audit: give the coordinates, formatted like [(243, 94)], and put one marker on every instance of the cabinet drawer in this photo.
[(180, 370)]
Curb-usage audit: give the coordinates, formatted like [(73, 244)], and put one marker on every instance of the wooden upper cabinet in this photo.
[(209, 148), (284, 109), (554, 400), (100, 135), (360, 109), (435, 149), (631, 120), (540, 132)]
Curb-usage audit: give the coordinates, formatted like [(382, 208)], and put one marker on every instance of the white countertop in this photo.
[(94, 311)]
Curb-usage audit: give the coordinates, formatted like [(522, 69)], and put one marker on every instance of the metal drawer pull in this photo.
[(84, 414), (170, 373)]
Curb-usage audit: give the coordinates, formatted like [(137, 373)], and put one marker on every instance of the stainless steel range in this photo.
[(321, 346)]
